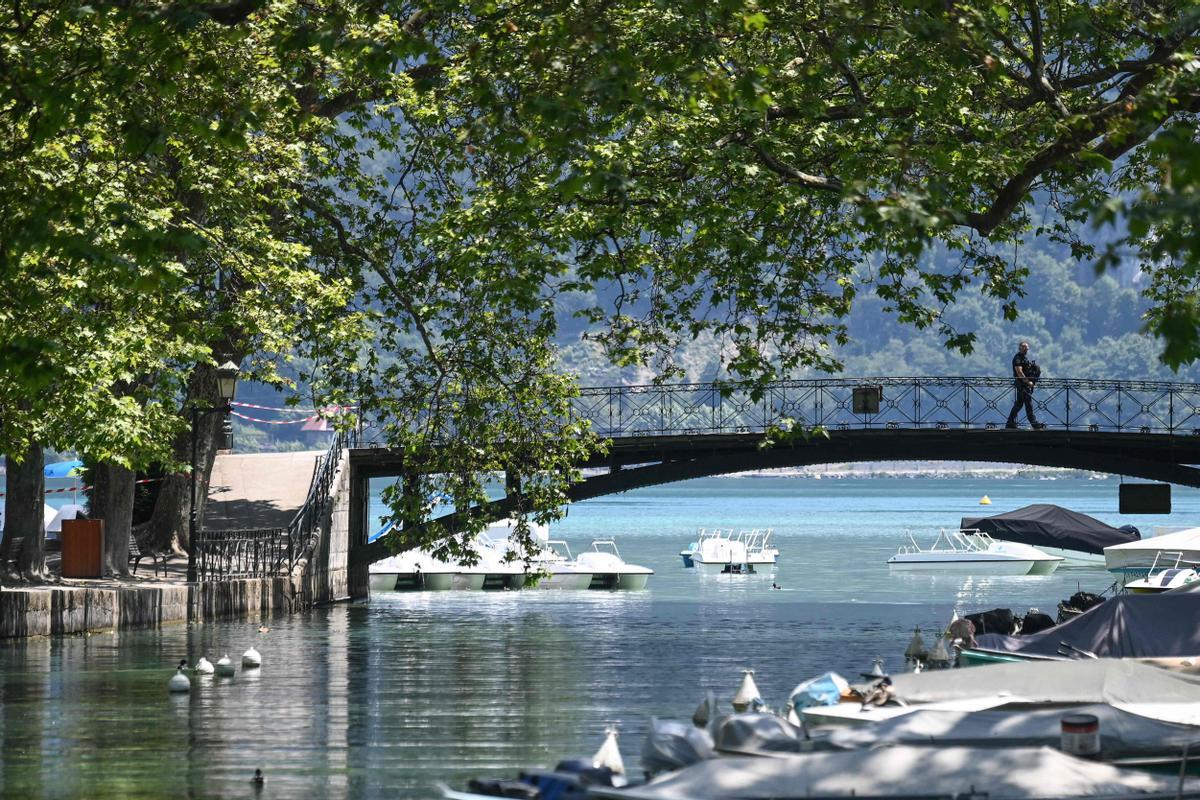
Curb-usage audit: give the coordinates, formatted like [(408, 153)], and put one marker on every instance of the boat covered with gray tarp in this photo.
[(1129, 626), (1103, 680), (1124, 736), (1049, 526), (907, 772)]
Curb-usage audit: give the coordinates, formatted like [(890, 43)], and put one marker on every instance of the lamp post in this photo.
[(227, 375)]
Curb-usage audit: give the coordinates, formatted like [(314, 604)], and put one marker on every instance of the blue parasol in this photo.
[(63, 469)]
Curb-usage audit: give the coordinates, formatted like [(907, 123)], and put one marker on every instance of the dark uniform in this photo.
[(1024, 388)]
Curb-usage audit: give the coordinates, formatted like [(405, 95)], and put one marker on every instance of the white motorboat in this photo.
[(609, 570), (973, 551), (1138, 559), (1180, 574)]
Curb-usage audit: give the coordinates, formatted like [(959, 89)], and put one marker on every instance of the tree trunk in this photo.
[(112, 501), (23, 512), (168, 526)]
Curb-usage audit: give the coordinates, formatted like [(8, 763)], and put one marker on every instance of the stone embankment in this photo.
[(52, 611), (254, 491)]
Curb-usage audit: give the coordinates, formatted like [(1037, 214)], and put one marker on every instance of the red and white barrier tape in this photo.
[(273, 421), (327, 409), (86, 488)]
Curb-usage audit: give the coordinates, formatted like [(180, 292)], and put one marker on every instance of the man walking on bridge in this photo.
[(1023, 370)]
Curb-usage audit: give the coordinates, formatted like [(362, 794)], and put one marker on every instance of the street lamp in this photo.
[(227, 375)]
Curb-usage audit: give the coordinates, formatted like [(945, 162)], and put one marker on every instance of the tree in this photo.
[(737, 167)]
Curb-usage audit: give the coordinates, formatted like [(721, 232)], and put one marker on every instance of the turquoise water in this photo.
[(385, 699)]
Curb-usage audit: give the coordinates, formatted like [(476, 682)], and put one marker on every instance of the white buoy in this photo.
[(747, 693), (225, 667), (204, 666), (609, 754), (179, 682), (251, 659), (985, 501)]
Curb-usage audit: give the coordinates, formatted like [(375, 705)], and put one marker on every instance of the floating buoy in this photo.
[(985, 501), (747, 693), (179, 682), (877, 670), (251, 659), (941, 653), (225, 667), (706, 711), (204, 666), (916, 647), (609, 754)]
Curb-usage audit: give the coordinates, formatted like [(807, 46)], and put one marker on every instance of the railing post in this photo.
[(1068, 393), (1171, 410)]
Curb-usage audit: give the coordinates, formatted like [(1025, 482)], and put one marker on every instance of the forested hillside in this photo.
[(1079, 325)]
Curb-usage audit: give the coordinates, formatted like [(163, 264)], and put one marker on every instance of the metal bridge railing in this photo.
[(904, 403), (250, 553), (268, 552)]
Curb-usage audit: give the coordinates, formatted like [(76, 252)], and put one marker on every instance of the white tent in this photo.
[(1137, 557)]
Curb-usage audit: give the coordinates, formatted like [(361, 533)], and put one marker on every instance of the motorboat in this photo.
[(1157, 629), (1056, 531), (971, 551), (1140, 558), (609, 570), (1180, 574), (557, 567)]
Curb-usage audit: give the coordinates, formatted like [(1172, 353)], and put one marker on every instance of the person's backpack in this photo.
[(1033, 371)]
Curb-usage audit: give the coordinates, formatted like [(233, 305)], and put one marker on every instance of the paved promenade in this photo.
[(258, 490)]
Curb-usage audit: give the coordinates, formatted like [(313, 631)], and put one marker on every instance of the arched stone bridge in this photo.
[(661, 434)]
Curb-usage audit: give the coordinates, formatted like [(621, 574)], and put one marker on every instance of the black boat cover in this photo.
[(1045, 525), (1129, 626)]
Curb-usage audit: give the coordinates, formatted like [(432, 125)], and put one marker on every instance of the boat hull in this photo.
[(468, 581), (725, 568), (992, 566), (569, 581)]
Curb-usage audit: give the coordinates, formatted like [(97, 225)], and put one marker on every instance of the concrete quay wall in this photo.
[(53, 611), (322, 577)]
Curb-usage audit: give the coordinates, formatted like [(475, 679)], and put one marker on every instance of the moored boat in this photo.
[(609, 570), (973, 551)]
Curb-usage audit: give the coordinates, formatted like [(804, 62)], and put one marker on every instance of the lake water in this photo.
[(385, 699)]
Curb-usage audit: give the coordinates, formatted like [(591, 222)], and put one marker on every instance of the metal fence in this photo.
[(904, 403), (251, 553), (268, 552)]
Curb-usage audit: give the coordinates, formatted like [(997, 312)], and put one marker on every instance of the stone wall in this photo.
[(325, 575), (74, 609)]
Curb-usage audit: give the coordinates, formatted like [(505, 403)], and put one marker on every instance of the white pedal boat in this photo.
[(609, 570), (972, 551)]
